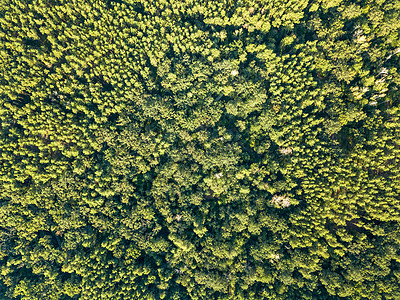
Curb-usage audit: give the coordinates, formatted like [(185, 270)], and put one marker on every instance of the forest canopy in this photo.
[(187, 149)]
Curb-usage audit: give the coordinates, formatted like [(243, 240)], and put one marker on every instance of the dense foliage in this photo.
[(186, 149)]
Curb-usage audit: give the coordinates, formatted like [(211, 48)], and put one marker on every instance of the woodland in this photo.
[(187, 149)]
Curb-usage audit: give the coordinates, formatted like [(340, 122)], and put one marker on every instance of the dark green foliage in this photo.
[(199, 149)]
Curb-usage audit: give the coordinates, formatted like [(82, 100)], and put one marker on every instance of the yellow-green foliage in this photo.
[(199, 149)]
